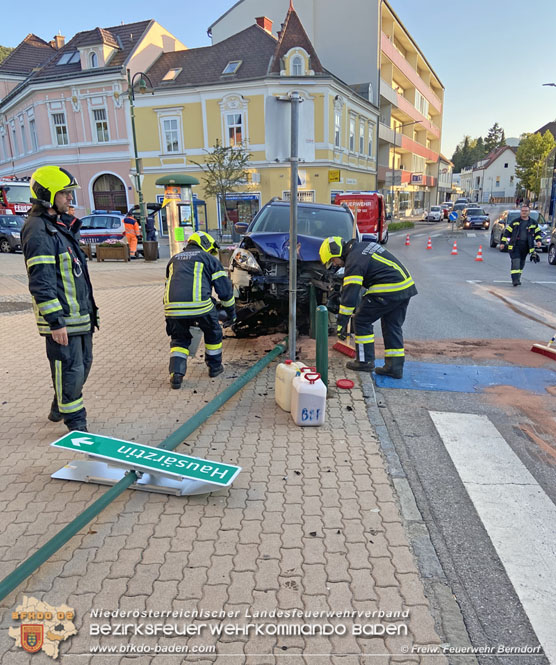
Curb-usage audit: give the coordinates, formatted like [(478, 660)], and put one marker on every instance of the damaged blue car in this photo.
[(259, 266)]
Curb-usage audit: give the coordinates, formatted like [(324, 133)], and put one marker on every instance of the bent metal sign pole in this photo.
[(160, 470)]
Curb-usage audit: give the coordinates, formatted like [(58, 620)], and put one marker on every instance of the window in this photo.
[(171, 135), (234, 122), (297, 66), (23, 136), (33, 132), (497, 181), (337, 128), (69, 58), (172, 74), (14, 139), (506, 165), (60, 129), (511, 179), (352, 134), (370, 139), (101, 125), (93, 60), (421, 104), (232, 67), (361, 137), (5, 153)]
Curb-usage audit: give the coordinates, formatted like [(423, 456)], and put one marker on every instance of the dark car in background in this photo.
[(509, 216), (474, 218), (259, 266), (10, 233)]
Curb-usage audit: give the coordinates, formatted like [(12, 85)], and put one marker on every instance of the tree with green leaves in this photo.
[(5, 52), (494, 138), (224, 169), (531, 154)]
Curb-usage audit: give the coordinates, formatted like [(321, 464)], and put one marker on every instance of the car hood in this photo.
[(277, 245), (471, 216)]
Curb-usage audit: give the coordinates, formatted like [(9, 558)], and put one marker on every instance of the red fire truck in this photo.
[(369, 210), (14, 196)]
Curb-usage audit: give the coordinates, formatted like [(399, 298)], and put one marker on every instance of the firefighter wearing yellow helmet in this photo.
[(191, 276), (61, 290), (387, 288)]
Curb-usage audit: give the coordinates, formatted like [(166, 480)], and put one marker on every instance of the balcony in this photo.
[(418, 149), (386, 133), (407, 107), (389, 94)]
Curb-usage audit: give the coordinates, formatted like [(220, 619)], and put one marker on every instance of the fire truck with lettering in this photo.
[(369, 211), (14, 196)]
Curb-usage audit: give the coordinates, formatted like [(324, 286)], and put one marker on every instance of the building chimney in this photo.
[(58, 41), (265, 23)]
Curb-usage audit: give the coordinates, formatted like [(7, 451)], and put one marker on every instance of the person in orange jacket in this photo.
[(132, 231)]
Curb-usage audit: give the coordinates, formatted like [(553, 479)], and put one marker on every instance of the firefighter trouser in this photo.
[(180, 340), (132, 242), (518, 256), (392, 315), (70, 366)]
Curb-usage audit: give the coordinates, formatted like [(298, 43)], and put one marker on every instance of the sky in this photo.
[(492, 56)]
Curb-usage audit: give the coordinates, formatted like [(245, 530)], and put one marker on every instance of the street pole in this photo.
[(294, 161), (138, 187)]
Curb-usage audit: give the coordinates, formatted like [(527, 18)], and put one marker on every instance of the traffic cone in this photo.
[(479, 256), (429, 244), (455, 249), (407, 243)]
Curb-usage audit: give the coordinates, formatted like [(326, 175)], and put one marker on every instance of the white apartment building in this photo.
[(492, 179)]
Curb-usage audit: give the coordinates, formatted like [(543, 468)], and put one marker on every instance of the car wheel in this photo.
[(492, 243), (385, 239), (552, 255), (5, 246)]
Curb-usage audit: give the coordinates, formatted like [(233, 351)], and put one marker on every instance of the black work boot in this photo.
[(176, 380), (392, 367), (77, 427), (215, 371), (55, 416), (358, 366)]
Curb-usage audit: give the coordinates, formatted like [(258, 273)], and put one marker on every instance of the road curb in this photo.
[(445, 610)]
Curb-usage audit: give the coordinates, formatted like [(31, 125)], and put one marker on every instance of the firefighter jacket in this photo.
[(190, 278), (372, 267), (132, 226), (58, 276), (509, 237)]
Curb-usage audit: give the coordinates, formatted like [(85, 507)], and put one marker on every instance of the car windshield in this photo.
[(17, 193), (100, 222), (11, 222), (436, 209), (319, 222), (459, 206), (476, 211)]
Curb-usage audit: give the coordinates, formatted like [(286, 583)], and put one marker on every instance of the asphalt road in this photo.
[(468, 313)]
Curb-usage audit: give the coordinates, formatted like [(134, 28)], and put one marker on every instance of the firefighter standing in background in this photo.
[(388, 288), (190, 278), (132, 232), (61, 291), (521, 236)]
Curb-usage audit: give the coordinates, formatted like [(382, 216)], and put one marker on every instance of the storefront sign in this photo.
[(416, 178), (334, 175)]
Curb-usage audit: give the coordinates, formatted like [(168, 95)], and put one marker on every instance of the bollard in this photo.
[(312, 311), (322, 342)]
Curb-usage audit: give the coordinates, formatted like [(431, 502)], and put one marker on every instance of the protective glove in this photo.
[(232, 317), (534, 257), (342, 322)]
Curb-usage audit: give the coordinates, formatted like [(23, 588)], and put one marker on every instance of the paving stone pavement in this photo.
[(310, 526)]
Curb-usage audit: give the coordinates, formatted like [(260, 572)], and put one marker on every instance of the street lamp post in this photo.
[(407, 124), (138, 187)]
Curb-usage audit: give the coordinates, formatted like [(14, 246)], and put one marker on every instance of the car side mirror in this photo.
[(241, 227)]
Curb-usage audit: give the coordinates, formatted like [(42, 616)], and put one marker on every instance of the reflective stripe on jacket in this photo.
[(132, 226), (58, 276), (509, 237), (190, 277), (372, 267)]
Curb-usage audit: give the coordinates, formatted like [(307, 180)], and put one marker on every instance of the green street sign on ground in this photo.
[(148, 459)]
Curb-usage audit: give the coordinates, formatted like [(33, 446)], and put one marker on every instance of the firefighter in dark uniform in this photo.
[(190, 277), (61, 290), (521, 236), (387, 285)]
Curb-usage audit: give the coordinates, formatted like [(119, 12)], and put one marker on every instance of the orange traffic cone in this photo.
[(407, 243), (429, 244), (454, 249), (479, 256)]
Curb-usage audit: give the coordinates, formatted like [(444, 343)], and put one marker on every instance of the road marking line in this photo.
[(543, 282), (518, 516), (436, 235), (471, 235), (501, 281), (419, 235), (474, 281)]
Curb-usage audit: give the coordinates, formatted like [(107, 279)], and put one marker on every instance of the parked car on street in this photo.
[(446, 208), (462, 200), (259, 266), (552, 247), (10, 233), (435, 214), (509, 216), (475, 218)]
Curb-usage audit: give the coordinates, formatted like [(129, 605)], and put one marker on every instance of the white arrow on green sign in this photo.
[(149, 459)]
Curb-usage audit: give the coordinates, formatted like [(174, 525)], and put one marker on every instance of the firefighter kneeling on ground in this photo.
[(190, 278), (132, 232), (388, 288)]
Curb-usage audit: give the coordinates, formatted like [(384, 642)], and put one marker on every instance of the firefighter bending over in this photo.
[(388, 288), (190, 278)]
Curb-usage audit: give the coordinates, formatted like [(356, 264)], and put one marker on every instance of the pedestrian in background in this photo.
[(132, 232), (191, 276), (388, 289), (150, 229), (521, 237), (61, 290)]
